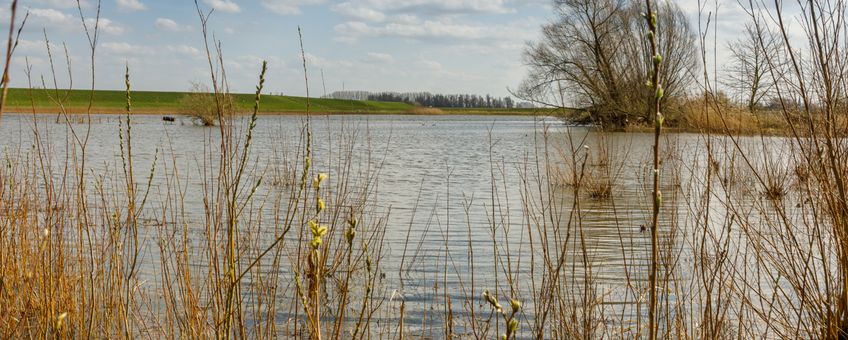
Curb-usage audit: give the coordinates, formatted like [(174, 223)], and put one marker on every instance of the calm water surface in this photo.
[(446, 183)]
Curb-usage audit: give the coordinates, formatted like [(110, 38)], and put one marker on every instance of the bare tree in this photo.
[(747, 75), (596, 54)]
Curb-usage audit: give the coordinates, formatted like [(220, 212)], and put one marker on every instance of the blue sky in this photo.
[(446, 46), (449, 46)]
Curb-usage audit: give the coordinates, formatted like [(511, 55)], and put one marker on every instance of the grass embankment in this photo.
[(154, 102)]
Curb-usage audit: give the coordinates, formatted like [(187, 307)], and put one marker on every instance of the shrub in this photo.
[(201, 105)]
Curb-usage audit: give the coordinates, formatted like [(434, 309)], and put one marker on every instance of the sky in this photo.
[(443, 46)]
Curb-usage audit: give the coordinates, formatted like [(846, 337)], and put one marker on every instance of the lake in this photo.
[(453, 205)]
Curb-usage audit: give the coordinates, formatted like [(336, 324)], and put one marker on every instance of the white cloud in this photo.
[(223, 5), (288, 7), (131, 5), (422, 19), (166, 24), (433, 8), (430, 65), (427, 29), (250, 64), (61, 3), (30, 47), (406, 19), (359, 12), (126, 49), (321, 62), (379, 57), (441, 30), (106, 26), (186, 50), (50, 17)]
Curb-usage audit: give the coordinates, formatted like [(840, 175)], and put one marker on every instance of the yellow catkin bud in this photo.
[(515, 304), (316, 242)]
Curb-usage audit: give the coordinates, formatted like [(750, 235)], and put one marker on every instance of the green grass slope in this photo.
[(159, 102)]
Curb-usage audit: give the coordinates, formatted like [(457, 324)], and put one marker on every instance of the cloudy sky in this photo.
[(448, 46)]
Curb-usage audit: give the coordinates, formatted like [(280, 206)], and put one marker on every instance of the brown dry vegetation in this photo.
[(723, 117), (694, 116)]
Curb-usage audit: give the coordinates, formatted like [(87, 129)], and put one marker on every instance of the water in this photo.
[(449, 186)]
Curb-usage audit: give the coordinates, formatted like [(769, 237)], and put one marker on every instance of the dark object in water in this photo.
[(168, 119)]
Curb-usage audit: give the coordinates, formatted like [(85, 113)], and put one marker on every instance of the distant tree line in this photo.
[(430, 100)]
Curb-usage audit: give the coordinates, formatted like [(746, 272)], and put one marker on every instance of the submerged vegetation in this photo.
[(737, 238)]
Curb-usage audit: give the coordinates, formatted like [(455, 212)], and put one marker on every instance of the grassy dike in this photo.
[(154, 102)]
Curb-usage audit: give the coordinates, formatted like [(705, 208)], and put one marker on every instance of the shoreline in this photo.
[(170, 112)]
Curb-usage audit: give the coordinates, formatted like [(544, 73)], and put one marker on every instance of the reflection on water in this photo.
[(463, 195)]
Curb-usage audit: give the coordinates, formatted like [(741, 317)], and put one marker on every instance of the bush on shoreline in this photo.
[(202, 105)]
